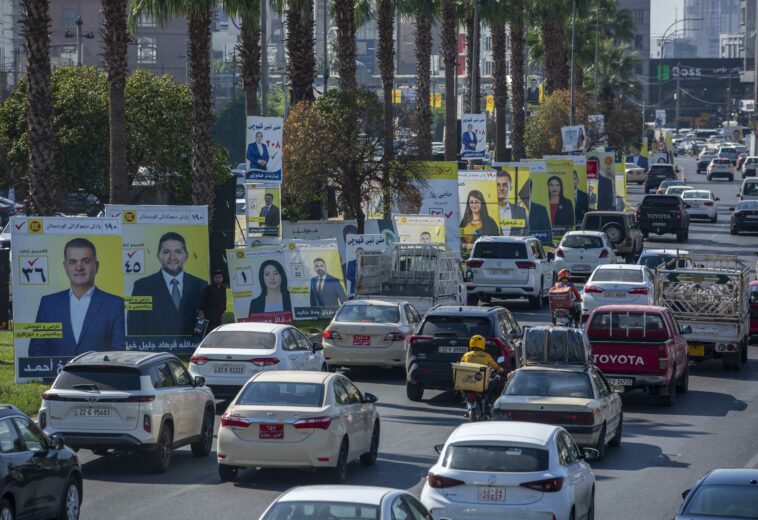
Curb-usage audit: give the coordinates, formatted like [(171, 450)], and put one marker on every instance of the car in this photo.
[(443, 337), (729, 494), (621, 231), (729, 153), (509, 267), (510, 470), (346, 502), (41, 477), (231, 353), (720, 167), (298, 419), (701, 204), (635, 173), (370, 333), (658, 173), (704, 161), (581, 251), (749, 189), (749, 167), (668, 183), (744, 217), (661, 214), (80, 202), (618, 284), (652, 258), (677, 190), (130, 401), (240, 175)]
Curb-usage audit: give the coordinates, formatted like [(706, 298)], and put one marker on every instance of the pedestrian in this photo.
[(212, 305)]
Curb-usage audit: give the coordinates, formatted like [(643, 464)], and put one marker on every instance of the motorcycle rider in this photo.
[(476, 354), (564, 280)]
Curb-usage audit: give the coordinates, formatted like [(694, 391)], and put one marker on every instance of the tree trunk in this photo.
[(301, 52), (518, 151), (199, 32), (249, 51), (385, 21), (423, 73), (472, 69), (556, 63), (42, 175), (501, 86), (344, 14), (116, 40), (449, 49)]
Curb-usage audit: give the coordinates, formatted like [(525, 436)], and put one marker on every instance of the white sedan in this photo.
[(618, 284), (231, 353), (582, 251), (635, 173), (677, 190), (701, 204), (345, 503), (303, 420), (511, 470)]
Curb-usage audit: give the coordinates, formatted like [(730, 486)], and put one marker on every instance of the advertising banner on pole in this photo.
[(539, 220), (263, 209), (263, 151), (68, 286), (165, 268), (420, 229), (357, 246), (581, 201), (512, 182), (574, 138), (554, 191), (473, 136), (621, 185), (477, 195), (439, 197), (604, 188)]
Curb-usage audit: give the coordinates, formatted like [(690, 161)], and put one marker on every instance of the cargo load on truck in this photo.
[(551, 345)]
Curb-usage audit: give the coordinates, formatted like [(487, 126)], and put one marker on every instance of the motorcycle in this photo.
[(564, 308), (563, 318), (478, 404)]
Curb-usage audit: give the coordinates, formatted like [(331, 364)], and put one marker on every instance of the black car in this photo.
[(657, 174), (661, 214), (722, 493), (745, 217), (443, 336), (41, 478), (703, 162)]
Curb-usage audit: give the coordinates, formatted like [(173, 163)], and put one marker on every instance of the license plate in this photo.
[(94, 412), (751, 217), (659, 224), (452, 350), (582, 267), (615, 294), (696, 350), (500, 272), (271, 431), (492, 494), (361, 341), (617, 381), (228, 369)]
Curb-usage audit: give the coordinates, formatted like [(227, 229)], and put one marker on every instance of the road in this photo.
[(663, 450)]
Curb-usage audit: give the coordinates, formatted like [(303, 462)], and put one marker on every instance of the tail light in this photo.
[(140, 399), (394, 336), (264, 361), (549, 485), (233, 421), (147, 423), (559, 252), (663, 358), (678, 214), (316, 423), (638, 290), (638, 214), (416, 339), (331, 334), (603, 253), (439, 482), (592, 289), (47, 396), (526, 265), (198, 360), (42, 420), (474, 263), (708, 203)]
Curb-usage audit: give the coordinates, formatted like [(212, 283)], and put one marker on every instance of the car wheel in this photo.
[(714, 219), (613, 232), (414, 391), (339, 472), (683, 385), (202, 447), (159, 459), (600, 446), (645, 235), (6, 510), (472, 299), (616, 440), (535, 302), (743, 351), (227, 473), (640, 182), (369, 458), (591, 512), (670, 399), (324, 368), (731, 178), (647, 191), (733, 231), (71, 501), (680, 236)]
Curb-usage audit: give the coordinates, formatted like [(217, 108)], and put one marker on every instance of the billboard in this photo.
[(356, 246), (263, 204), (602, 164), (477, 195), (420, 229), (264, 148), (473, 136), (554, 191), (439, 197), (512, 179)]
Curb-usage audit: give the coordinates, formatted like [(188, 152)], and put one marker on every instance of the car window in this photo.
[(564, 457), (302, 342), (75, 377), (318, 510), (549, 383), (275, 393), (416, 315), (340, 393), (459, 326), (408, 314), (491, 458), (31, 436), (582, 242), (500, 250), (161, 376), (600, 385), (416, 508), (618, 275), (181, 376), (724, 501), (750, 188), (399, 510), (239, 339), (573, 449), (289, 343), (9, 439), (591, 222), (353, 392)]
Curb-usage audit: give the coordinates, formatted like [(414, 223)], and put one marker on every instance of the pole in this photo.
[(326, 45), (678, 94), (284, 69), (755, 64), (79, 24), (264, 58), (474, 55), (729, 100), (573, 45), (397, 43), (234, 73), (596, 62)]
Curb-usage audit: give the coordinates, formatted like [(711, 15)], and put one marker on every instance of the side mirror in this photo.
[(198, 381), (438, 447), (317, 347), (369, 398), (685, 329), (590, 454), (716, 198), (56, 441), (686, 493), (551, 256), (731, 209), (618, 389), (688, 206)]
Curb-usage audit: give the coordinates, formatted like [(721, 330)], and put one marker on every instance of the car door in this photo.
[(311, 360), (416, 508), (680, 342), (163, 383), (46, 475), (609, 412), (191, 401), (20, 470), (616, 404), (577, 472), (292, 351), (350, 414), (363, 415)]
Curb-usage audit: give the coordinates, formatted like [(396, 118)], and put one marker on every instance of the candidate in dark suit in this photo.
[(539, 222), (352, 270), (274, 296), (506, 210), (533, 93), (636, 158), (605, 200), (270, 214), (561, 208), (91, 319), (581, 202), (257, 153), (326, 290), (175, 294), (469, 139)]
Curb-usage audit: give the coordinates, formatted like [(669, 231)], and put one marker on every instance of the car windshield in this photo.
[(239, 339), (707, 158), (78, 377), (617, 275), (550, 383), (677, 190), (724, 501), (661, 201), (748, 205), (582, 242), (653, 261), (693, 194), (315, 510), (458, 326), (502, 250), (627, 325), (750, 188), (365, 313), (275, 393), (660, 169), (511, 459)]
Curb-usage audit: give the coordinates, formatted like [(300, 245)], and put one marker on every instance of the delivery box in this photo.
[(471, 377)]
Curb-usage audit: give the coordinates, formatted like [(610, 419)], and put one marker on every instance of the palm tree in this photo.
[(248, 48), (551, 16), (496, 13), (385, 21), (42, 178), (472, 69), (449, 49), (344, 15), (115, 36), (518, 151), (615, 74), (301, 49)]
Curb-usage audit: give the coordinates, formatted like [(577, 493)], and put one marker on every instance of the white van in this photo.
[(749, 189)]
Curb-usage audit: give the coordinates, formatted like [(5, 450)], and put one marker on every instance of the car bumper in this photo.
[(577, 273), (269, 453), (661, 230), (702, 212), (508, 289), (639, 380), (222, 381), (726, 175), (438, 376), (390, 356), (543, 509), (746, 225), (111, 441), (589, 302)]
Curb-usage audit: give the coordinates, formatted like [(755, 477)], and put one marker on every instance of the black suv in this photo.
[(657, 174), (661, 214), (620, 229), (443, 336)]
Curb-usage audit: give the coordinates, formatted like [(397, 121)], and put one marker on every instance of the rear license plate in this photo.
[(272, 431), (615, 294), (452, 350), (696, 350), (751, 217), (618, 381), (94, 412), (361, 341), (582, 267), (659, 224), (491, 494), (228, 369), (500, 272)]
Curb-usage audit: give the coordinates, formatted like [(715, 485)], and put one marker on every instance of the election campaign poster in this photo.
[(477, 196), (533, 90), (574, 138), (553, 191), (512, 179), (263, 209), (602, 164), (264, 148), (581, 201), (473, 136), (68, 287), (355, 247), (621, 200), (595, 129), (165, 268), (538, 220), (326, 229), (439, 197), (420, 229), (660, 118)]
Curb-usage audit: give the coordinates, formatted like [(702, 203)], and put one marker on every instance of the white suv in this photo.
[(130, 401), (509, 267)]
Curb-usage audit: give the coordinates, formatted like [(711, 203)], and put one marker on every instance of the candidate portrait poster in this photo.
[(512, 182), (538, 219), (263, 204), (621, 194), (604, 169), (68, 288), (165, 268), (477, 196), (473, 136), (263, 148), (355, 247), (574, 138), (533, 90), (553, 192), (331, 229), (580, 195), (439, 198), (420, 229)]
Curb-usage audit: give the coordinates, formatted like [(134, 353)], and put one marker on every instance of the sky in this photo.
[(663, 13)]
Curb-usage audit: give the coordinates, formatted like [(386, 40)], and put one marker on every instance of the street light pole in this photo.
[(264, 57), (573, 43), (326, 45), (678, 94), (90, 36), (474, 56)]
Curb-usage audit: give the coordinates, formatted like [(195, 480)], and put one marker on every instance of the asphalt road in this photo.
[(663, 450)]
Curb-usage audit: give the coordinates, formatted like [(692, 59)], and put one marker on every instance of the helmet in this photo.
[(564, 273), (476, 342)]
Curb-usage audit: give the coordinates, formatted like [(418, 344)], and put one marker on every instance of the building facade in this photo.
[(640, 13), (12, 53), (706, 20)]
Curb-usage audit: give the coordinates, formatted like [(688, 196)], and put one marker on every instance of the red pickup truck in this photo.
[(640, 346)]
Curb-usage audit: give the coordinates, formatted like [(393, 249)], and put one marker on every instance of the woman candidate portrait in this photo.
[(561, 209), (274, 295), (476, 221)]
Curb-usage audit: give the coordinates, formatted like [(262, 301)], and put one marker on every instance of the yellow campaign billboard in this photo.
[(263, 204), (554, 191), (420, 229), (512, 181), (477, 195)]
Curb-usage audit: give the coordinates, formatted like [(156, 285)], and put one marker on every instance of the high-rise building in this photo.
[(640, 12), (12, 54), (706, 20)]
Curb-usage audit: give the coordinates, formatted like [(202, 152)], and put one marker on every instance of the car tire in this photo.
[(708, 178), (645, 235), (414, 391), (6, 510), (670, 399), (743, 351), (616, 440), (472, 299), (203, 446), (680, 236), (227, 473), (600, 446), (647, 191), (339, 472), (683, 385), (733, 231), (71, 501), (640, 182), (731, 178), (733, 362), (536, 302), (591, 512), (159, 459), (369, 458), (614, 233), (324, 368), (714, 219)]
